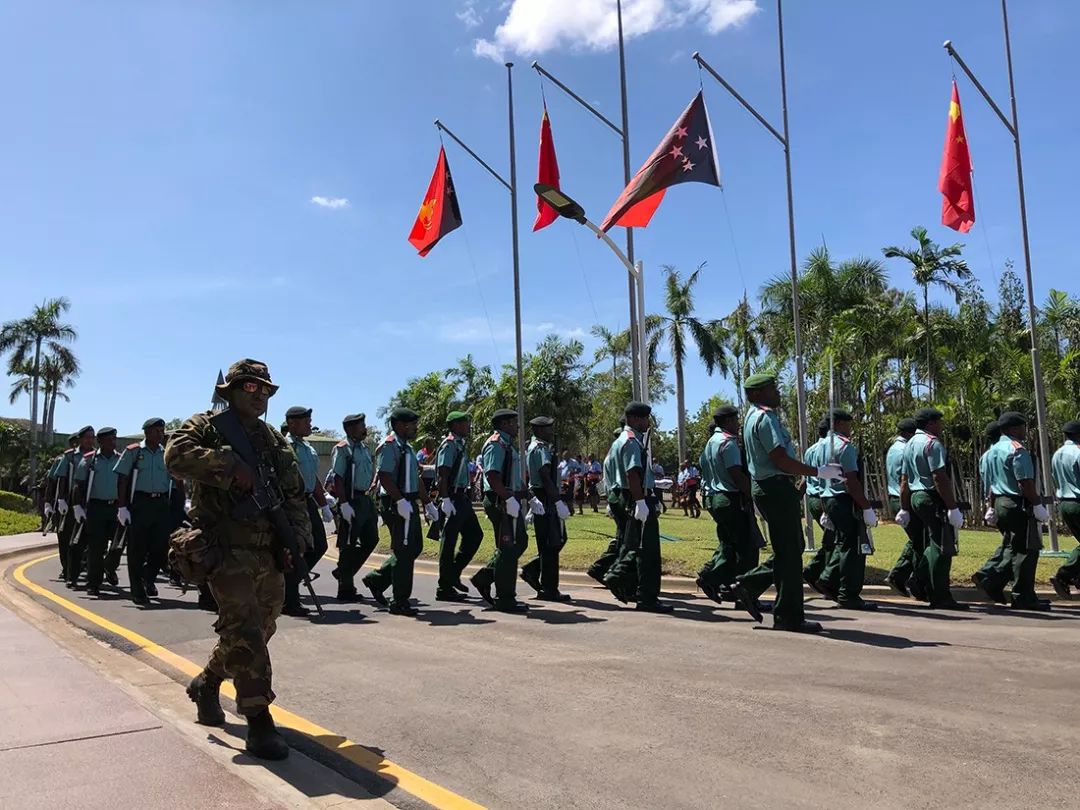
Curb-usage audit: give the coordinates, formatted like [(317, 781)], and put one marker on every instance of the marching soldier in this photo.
[(905, 577), (615, 510), (773, 463), (926, 491), (726, 490), (814, 571), (248, 582), (458, 517), (503, 487), (401, 492), (96, 510), (549, 513), (635, 576), (64, 473), (52, 495), (297, 429), (1019, 510), (1066, 469), (996, 561), (144, 490), (358, 532)]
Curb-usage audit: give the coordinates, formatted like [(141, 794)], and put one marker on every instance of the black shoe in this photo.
[(175, 581), (141, 600), (484, 589), (203, 691), (461, 587), (897, 584), (709, 590), (597, 575), (749, 603), (949, 604), (1041, 605), (263, 739), (207, 603), (553, 596), (511, 607), (796, 627), (1061, 586), (63, 575), (812, 583), (376, 594), (151, 589), (403, 610), (112, 578), (93, 590), (349, 595), (826, 590), (532, 579), (992, 590), (654, 607), (918, 592), (857, 604), (450, 596), (296, 609)]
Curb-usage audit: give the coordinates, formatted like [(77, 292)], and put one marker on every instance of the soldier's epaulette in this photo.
[(495, 437), (342, 443), (90, 454), (133, 446), (630, 433), (70, 451), (389, 439), (843, 439), (1017, 445)]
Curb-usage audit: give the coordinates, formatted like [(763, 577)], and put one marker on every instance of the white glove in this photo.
[(562, 509), (830, 472), (432, 512), (956, 518), (608, 511), (536, 506), (80, 514), (327, 515), (447, 507), (903, 518), (641, 511), (513, 508), (990, 517), (1041, 513), (187, 505), (826, 524), (404, 508), (61, 506), (48, 509), (869, 517), (123, 514), (347, 512)]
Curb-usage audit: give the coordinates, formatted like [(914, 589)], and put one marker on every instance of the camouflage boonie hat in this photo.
[(247, 369)]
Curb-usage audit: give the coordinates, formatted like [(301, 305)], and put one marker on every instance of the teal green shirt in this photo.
[(721, 453), (307, 459), (923, 456), (611, 469), (894, 465), (1066, 469), (816, 455), (763, 432), (493, 459), (153, 475), (104, 486), (633, 456), (347, 452), (1009, 464), (388, 460), (984, 472), (67, 463), (537, 457), (840, 448), (452, 456)]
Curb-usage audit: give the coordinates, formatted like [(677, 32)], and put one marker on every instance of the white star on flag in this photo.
[(687, 165), (701, 143), (680, 132), (676, 152)]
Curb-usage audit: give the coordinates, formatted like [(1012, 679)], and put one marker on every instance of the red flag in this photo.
[(547, 172), (954, 182), (439, 212), (687, 154)]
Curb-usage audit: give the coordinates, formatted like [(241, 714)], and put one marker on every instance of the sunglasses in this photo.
[(250, 387)]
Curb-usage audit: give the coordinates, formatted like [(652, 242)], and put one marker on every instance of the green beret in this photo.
[(906, 425), (637, 409), (1011, 419), (840, 415), (725, 412), (993, 431), (106, 431), (297, 412), (352, 418), (756, 381), (156, 421), (84, 430), (404, 415), (1071, 428), (541, 421), (501, 414), (925, 416), (73, 438), (457, 416)]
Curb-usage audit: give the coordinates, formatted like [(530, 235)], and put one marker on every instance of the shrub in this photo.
[(16, 503), (17, 522)]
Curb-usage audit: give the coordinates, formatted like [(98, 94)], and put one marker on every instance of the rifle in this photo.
[(119, 540), (435, 529), (86, 501), (266, 496)]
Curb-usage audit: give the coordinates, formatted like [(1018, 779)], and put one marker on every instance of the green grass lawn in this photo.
[(17, 522), (693, 542)]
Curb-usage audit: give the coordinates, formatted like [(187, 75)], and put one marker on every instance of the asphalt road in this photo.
[(591, 705)]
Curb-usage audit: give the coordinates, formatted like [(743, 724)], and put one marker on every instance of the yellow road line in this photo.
[(354, 752)]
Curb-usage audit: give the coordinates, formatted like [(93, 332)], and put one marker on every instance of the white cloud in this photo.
[(532, 27), (469, 15), (330, 202)]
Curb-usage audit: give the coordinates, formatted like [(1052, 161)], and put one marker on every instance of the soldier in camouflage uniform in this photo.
[(248, 583)]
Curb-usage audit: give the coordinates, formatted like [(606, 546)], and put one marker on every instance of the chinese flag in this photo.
[(439, 213), (547, 171), (954, 182), (686, 155)]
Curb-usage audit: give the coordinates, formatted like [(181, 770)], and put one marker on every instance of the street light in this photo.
[(569, 208)]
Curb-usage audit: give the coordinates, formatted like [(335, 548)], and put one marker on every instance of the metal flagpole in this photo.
[(785, 141), (1013, 127), (511, 186)]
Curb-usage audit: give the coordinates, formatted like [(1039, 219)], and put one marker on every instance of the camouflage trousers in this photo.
[(249, 590)]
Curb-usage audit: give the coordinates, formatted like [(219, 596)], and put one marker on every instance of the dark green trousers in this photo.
[(604, 562), (397, 572), (1070, 571), (359, 539), (819, 563), (63, 538), (939, 552), (550, 539), (635, 575), (1022, 544), (736, 547), (147, 537), (99, 530), (996, 566), (511, 540), (778, 502), (847, 566), (913, 550), (455, 556)]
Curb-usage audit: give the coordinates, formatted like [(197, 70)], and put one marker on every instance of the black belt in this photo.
[(103, 502), (152, 495), (454, 491)]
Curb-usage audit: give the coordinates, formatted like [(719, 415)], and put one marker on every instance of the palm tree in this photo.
[(612, 344), (1059, 313), (25, 339), (742, 342), (932, 264), (58, 371)]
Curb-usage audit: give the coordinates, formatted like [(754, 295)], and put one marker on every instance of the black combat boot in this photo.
[(203, 691), (263, 739)]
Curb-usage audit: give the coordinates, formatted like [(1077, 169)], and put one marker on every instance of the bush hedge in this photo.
[(14, 502)]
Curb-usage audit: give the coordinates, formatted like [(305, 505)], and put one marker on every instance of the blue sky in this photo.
[(160, 162)]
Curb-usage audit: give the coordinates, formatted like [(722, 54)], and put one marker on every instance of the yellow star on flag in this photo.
[(954, 110)]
